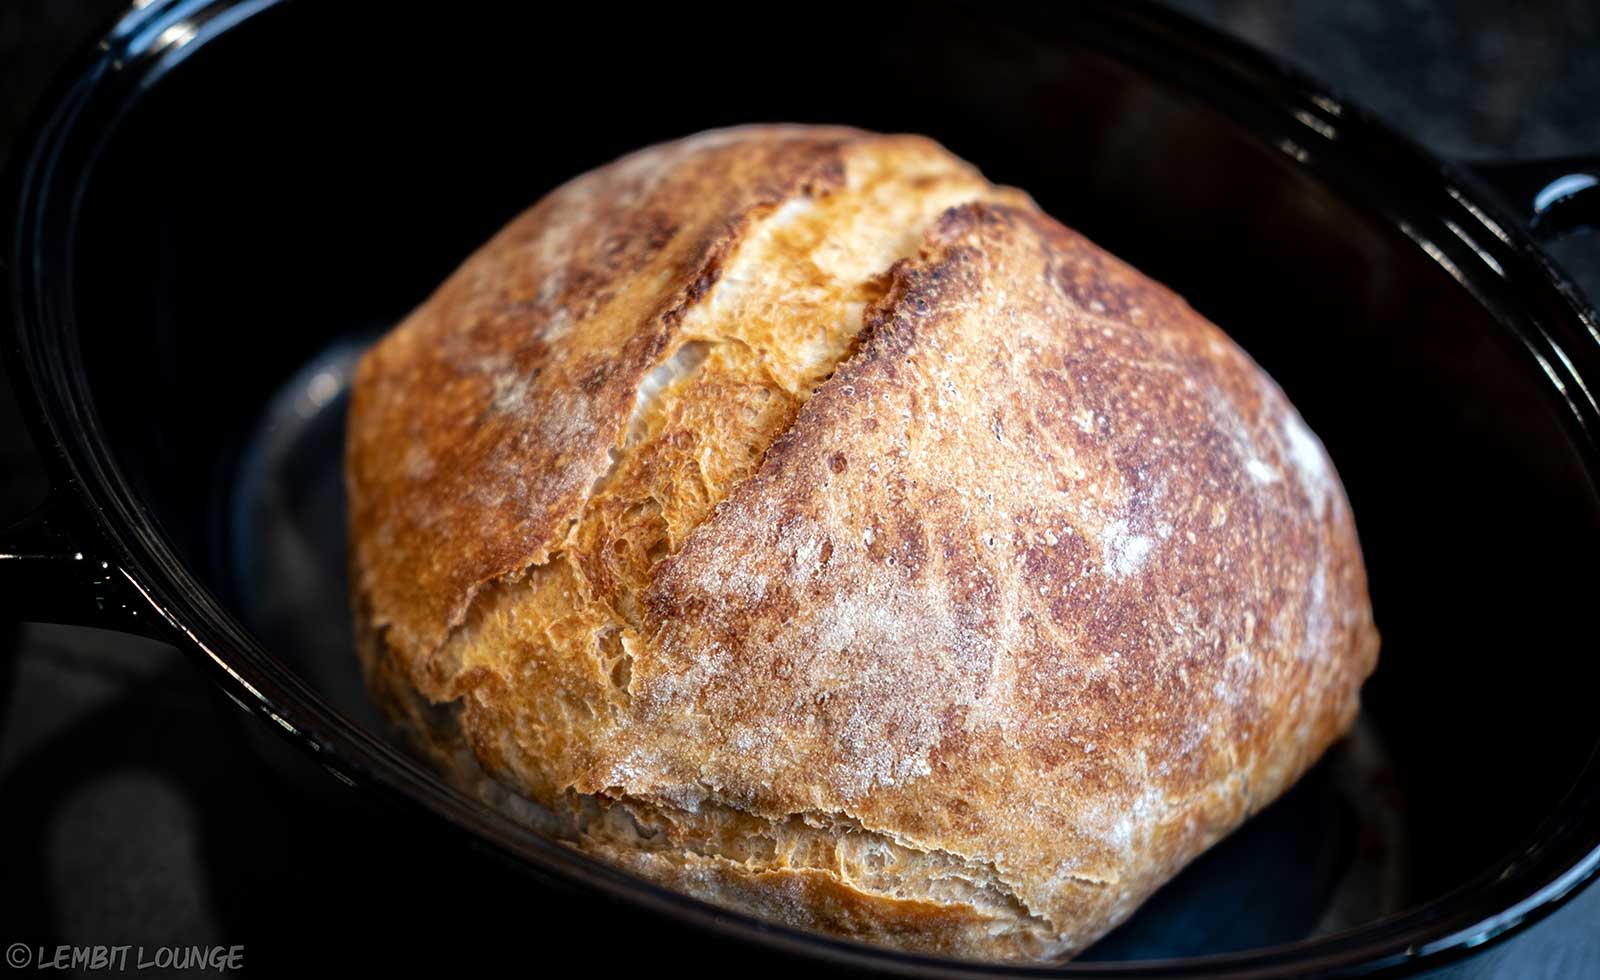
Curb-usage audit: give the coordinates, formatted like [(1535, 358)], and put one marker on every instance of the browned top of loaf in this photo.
[(1047, 580), (1047, 564), (486, 419)]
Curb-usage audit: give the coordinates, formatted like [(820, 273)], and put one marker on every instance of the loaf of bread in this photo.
[(790, 516)]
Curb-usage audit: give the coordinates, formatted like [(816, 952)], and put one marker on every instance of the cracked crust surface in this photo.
[(799, 520)]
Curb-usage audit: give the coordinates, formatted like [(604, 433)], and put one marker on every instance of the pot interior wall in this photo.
[(306, 179)]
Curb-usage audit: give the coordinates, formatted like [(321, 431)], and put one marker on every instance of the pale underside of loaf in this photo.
[(799, 520)]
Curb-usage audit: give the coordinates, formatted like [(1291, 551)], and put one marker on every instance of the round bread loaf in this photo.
[(794, 518)]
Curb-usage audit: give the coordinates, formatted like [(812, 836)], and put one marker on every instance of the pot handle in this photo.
[(1553, 197), (53, 567), (48, 577)]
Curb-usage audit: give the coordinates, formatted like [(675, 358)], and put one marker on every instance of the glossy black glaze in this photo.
[(1556, 196), (174, 263)]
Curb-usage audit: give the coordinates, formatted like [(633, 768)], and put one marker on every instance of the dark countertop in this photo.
[(129, 813)]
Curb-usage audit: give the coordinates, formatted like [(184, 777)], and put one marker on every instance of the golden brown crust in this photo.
[(965, 646), (487, 415)]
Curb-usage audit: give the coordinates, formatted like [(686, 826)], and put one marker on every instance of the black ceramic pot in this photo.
[(224, 200)]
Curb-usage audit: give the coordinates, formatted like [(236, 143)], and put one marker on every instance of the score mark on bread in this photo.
[(801, 521)]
